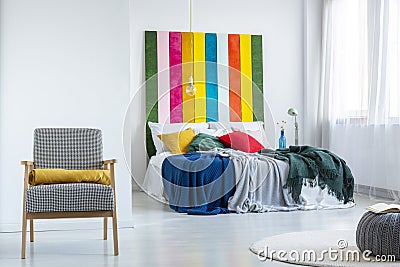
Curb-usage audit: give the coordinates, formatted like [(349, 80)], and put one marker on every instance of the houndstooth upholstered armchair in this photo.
[(70, 149)]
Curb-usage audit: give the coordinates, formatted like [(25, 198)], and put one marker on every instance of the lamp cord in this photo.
[(190, 14), (191, 40)]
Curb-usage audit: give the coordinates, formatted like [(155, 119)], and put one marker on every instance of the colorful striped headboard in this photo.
[(227, 70)]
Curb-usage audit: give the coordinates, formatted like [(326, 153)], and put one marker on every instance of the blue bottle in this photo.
[(282, 140)]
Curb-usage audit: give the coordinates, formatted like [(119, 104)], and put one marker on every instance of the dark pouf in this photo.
[(379, 233)]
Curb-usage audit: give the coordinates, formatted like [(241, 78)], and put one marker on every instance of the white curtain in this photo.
[(359, 100)]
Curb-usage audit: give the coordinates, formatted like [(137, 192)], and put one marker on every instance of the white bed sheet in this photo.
[(312, 198)]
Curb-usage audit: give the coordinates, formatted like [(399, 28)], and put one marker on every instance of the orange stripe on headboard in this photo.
[(234, 77)]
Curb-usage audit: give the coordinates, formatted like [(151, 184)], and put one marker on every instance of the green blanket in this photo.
[(307, 162)]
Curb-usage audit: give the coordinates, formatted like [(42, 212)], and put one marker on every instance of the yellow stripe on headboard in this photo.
[(246, 82), (187, 65), (200, 76)]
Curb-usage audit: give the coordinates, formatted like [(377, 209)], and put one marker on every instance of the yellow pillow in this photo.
[(58, 176), (178, 142)]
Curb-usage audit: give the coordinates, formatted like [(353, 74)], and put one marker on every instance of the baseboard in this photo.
[(136, 188), (375, 191), (65, 225)]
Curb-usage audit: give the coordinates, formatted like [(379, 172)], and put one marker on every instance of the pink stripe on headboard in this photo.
[(163, 76), (175, 61)]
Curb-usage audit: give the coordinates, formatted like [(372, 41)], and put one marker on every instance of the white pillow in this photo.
[(160, 128), (255, 129), (213, 132), (252, 126)]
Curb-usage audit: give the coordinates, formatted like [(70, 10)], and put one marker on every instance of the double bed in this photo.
[(254, 183)]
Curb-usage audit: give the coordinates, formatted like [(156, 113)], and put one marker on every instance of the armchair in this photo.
[(70, 149)]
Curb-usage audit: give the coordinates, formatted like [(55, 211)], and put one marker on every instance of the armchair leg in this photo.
[(105, 228), (31, 232), (23, 245), (115, 233)]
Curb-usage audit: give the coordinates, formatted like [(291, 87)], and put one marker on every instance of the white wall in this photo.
[(312, 69), (279, 21), (63, 63)]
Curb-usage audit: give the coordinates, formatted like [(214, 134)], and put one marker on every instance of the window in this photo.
[(393, 72), (366, 60)]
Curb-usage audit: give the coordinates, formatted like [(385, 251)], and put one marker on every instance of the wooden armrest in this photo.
[(108, 161), (27, 162)]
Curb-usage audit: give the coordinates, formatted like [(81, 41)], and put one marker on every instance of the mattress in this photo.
[(311, 198)]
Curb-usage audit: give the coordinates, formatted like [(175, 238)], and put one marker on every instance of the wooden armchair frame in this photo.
[(29, 165)]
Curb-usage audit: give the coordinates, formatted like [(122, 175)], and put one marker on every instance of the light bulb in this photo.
[(191, 88)]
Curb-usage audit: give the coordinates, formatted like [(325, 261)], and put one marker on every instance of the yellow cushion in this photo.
[(58, 176), (178, 142)]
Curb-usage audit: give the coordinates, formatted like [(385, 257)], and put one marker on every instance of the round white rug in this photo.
[(318, 248)]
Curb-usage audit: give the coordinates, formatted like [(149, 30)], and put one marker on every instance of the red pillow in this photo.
[(241, 141)]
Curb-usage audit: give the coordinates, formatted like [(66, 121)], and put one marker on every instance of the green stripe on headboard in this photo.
[(257, 69), (151, 86)]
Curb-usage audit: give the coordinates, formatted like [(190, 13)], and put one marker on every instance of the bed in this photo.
[(261, 191), (229, 104)]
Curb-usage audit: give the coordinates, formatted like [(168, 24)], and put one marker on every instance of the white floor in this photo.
[(161, 237)]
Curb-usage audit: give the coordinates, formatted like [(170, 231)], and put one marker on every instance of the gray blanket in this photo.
[(259, 184)]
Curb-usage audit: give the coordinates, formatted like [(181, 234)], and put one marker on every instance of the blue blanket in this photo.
[(198, 184)]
